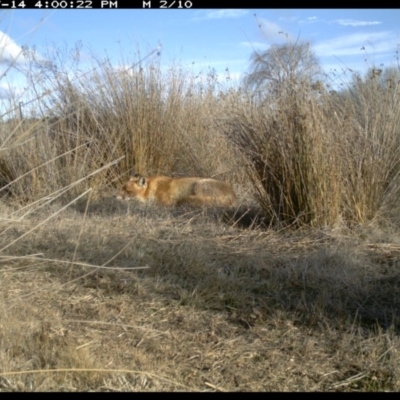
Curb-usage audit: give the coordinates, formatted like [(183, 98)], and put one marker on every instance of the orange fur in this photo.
[(174, 191)]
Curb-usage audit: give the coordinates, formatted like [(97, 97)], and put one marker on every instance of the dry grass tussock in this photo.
[(216, 307), (314, 156)]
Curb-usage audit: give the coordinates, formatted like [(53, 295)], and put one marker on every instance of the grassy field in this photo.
[(295, 289), (211, 306)]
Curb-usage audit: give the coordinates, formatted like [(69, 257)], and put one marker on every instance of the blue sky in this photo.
[(217, 38)]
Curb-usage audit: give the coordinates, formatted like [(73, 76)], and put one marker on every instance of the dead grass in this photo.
[(314, 157), (102, 295), (219, 308)]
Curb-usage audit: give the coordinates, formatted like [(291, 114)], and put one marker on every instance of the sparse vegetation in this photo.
[(296, 289)]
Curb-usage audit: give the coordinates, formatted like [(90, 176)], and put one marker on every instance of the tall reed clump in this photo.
[(368, 142), (315, 157), (289, 157), (146, 117), (157, 119)]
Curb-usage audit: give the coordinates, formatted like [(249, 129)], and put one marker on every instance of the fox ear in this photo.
[(142, 181)]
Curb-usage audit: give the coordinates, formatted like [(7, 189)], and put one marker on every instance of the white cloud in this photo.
[(294, 19), (272, 31), (350, 45), (5, 91), (228, 13), (9, 50), (309, 20), (353, 22)]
